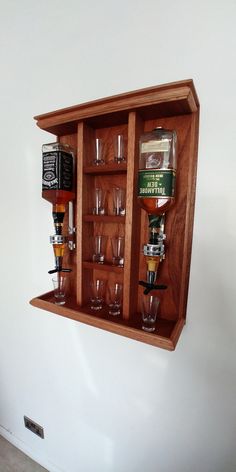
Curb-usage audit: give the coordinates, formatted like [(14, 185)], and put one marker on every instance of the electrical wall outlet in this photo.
[(34, 427)]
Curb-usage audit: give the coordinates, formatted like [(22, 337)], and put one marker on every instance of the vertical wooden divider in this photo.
[(133, 211), (80, 156), (69, 259), (84, 229)]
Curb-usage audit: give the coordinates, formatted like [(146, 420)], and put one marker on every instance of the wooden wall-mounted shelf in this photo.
[(173, 106)]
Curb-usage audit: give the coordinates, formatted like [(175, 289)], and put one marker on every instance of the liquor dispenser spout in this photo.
[(58, 240), (154, 253)]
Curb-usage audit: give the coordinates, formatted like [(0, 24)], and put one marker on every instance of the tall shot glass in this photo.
[(99, 248), (150, 304), (97, 292), (59, 287), (99, 197), (118, 201), (119, 149), (98, 153), (115, 299), (118, 244)]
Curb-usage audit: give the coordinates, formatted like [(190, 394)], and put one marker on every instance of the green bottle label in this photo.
[(156, 183)]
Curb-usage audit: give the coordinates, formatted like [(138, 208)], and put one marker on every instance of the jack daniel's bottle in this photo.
[(58, 179), (58, 173), (157, 167), (58, 188)]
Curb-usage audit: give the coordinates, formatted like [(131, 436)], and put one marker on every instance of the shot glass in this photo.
[(117, 245), (99, 153), (97, 292), (99, 248), (99, 197), (115, 299), (119, 145), (119, 201), (59, 287), (150, 304)]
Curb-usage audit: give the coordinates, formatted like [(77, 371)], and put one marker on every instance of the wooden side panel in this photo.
[(189, 218)]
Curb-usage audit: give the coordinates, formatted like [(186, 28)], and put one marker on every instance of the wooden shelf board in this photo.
[(166, 335), (176, 98), (109, 168), (104, 218), (106, 267)]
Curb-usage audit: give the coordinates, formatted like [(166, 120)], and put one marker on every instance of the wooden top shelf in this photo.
[(176, 98)]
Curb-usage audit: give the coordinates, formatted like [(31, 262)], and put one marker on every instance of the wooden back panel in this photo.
[(174, 270)]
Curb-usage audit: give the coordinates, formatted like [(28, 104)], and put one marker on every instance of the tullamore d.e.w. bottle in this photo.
[(157, 169)]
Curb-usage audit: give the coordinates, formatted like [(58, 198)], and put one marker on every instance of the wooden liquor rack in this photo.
[(173, 106)]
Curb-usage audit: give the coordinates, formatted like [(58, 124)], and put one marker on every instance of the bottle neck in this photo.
[(58, 213), (156, 228)]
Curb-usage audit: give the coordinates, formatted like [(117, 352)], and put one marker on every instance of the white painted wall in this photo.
[(110, 404)]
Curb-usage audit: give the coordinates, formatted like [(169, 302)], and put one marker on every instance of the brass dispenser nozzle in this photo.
[(154, 252), (58, 241)]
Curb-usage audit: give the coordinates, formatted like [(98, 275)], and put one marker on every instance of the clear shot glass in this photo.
[(118, 201), (119, 149), (97, 292), (150, 305), (99, 197), (99, 248), (115, 293), (59, 287), (118, 244), (98, 153)]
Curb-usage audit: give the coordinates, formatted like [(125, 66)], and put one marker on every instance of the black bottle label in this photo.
[(57, 171)]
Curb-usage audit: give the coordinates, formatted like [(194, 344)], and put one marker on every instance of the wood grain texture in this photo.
[(173, 106), (104, 219), (109, 168), (132, 226), (84, 231), (104, 267), (176, 98), (190, 199), (161, 338), (70, 257)]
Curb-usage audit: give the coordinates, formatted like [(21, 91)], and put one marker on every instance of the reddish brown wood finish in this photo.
[(173, 106), (165, 100), (166, 335)]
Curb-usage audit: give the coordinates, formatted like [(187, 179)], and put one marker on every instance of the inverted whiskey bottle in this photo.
[(58, 177), (58, 189), (157, 168)]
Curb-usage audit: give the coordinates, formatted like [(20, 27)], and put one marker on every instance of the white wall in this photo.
[(110, 404)]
